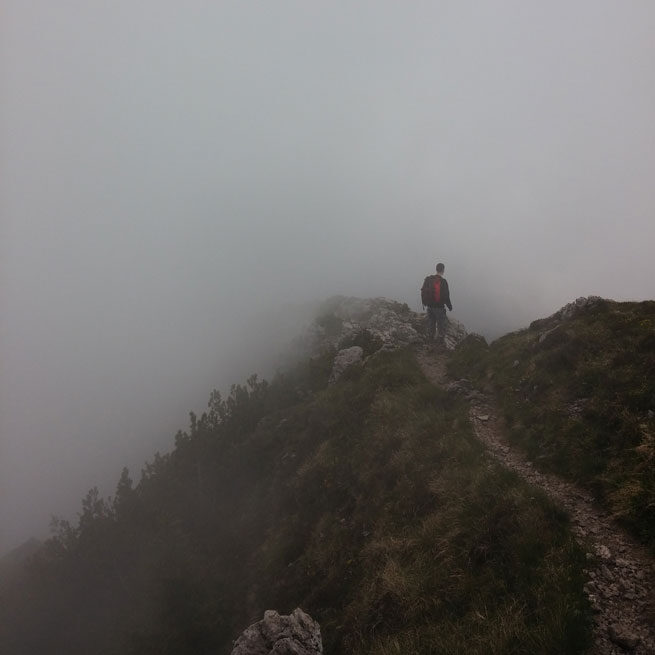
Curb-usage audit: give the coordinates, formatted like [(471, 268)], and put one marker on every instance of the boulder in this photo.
[(295, 634), (455, 334), (393, 323), (623, 637), (344, 359), (377, 324)]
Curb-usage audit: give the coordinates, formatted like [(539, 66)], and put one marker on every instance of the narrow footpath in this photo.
[(621, 572)]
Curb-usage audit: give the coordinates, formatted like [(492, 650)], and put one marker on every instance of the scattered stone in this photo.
[(295, 634), (515, 363), (623, 637), (603, 552), (462, 386), (484, 417), (595, 605), (576, 408)]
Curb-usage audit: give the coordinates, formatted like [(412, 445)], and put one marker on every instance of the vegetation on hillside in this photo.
[(579, 396), (368, 503)]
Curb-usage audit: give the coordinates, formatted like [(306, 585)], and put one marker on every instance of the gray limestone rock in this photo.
[(567, 312), (295, 634), (570, 310), (392, 323), (455, 334), (344, 359)]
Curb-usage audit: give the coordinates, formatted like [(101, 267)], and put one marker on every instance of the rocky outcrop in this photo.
[(358, 328), (345, 358), (569, 311), (455, 334), (388, 324), (391, 324), (295, 634)]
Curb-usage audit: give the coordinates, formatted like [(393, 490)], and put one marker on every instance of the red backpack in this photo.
[(431, 291)]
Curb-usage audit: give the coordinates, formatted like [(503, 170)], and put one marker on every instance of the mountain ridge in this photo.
[(368, 501)]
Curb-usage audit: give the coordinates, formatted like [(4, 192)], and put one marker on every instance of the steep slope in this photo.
[(369, 502)]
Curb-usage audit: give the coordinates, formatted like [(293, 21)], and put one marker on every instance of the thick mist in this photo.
[(179, 179)]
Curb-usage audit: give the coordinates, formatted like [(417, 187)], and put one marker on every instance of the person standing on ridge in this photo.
[(435, 295)]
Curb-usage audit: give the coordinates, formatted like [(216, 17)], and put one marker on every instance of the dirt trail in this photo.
[(621, 572)]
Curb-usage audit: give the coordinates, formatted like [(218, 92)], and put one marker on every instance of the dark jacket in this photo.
[(445, 291)]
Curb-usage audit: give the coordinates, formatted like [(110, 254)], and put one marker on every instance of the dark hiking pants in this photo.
[(437, 320)]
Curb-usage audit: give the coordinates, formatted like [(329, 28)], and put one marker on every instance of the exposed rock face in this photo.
[(570, 310), (455, 334), (391, 324), (344, 359), (295, 634), (564, 314)]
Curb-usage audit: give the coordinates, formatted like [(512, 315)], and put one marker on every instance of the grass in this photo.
[(369, 503), (402, 536), (581, 400)]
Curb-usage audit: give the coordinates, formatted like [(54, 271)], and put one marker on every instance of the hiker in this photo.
[(435, 295)]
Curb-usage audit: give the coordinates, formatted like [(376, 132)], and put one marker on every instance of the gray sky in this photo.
[(172, 173)]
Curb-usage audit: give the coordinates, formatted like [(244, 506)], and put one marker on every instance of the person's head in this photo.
[(440, 268)]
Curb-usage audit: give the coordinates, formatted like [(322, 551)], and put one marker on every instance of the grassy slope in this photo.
[(581, 401), (404, 537), (368, 503)]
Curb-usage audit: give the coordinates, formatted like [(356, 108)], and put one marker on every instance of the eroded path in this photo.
[(621, 572)]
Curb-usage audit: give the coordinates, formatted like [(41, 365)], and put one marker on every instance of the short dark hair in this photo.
[(440, 268)]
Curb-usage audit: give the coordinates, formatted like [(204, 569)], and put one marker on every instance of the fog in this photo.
[(178, 178)]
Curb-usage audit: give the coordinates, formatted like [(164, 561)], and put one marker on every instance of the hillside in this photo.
[(577, 391), (362, 496)]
